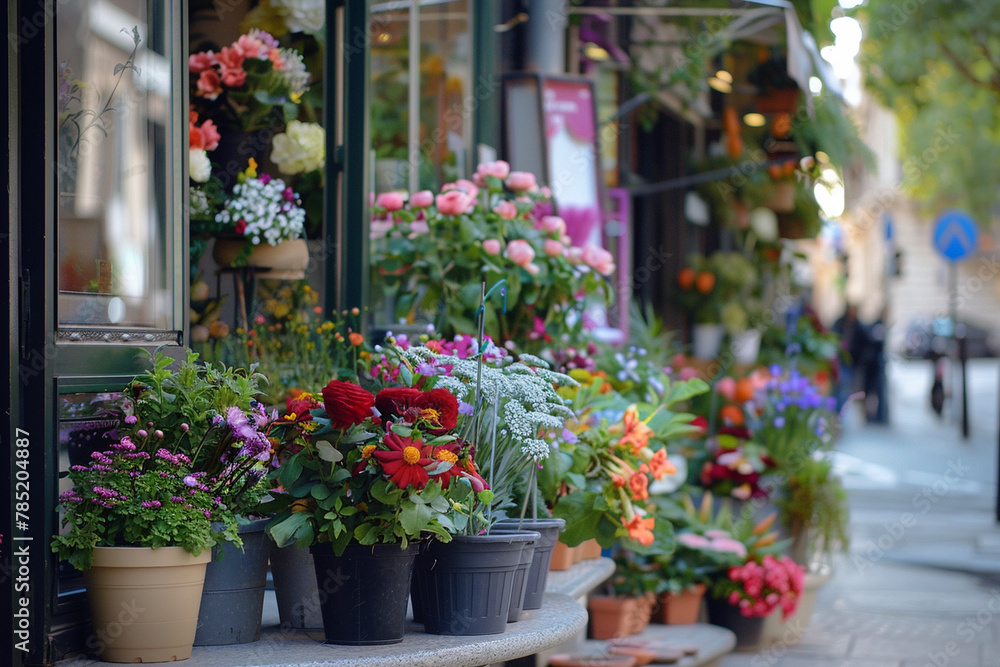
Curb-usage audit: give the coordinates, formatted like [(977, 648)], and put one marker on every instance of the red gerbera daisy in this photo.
[(406, 461)]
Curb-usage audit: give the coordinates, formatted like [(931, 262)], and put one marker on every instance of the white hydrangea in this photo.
[(199, 166), (268, 208), (302, 15), (300, 148), (294, 72)]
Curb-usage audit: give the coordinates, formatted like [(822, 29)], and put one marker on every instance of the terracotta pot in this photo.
[(144, 602), (590, 549), (682, 608), (612, 617), (782, 198), (286, 261), (562, 557)]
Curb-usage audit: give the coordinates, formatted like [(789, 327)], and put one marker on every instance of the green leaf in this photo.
[(328, 452), (286, 531), (414, 518), (682, 391)]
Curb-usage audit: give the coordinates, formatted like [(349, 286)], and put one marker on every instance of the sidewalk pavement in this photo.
[(920, 584)]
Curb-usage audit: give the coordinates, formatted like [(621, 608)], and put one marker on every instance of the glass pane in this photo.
[(389, 99), (445, 86), (113, 104)]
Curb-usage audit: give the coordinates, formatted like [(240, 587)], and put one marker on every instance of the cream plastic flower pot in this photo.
[(144, 602), (706, 339), (791, 630)]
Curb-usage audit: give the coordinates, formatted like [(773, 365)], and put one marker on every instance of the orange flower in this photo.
[(637, 433), (660, 465), (640, 530), (617, 479), (731, 414), (356, 338), (638, 483)]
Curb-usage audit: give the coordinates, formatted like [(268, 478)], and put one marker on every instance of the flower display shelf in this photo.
[(559, 619), (581, 578), (713, 642)]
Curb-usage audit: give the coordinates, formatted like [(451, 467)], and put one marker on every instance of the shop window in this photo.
[(114, 78), (421, 117)]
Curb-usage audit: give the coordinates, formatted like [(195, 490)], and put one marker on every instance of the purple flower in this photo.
[(428, 369), (779, 422), (208, 515), (569, 437), (131, 419), (190, 480), (264, 178), (176, 499), (184, 428), (142, 433), (464, 408), (158, 433), (150, 504), (218, 420)]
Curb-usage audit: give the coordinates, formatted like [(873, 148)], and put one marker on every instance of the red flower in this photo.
[(297, 409), (447, 453), (437, 408), (701, 423), (638, 484), (406, 461), (346, 403)]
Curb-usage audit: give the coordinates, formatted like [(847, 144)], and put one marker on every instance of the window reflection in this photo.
[(113, 105), (434, 150)]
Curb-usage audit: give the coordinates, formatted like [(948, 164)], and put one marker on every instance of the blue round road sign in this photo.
[(955, 235)]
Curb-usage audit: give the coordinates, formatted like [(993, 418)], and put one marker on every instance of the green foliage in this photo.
[(937, 65)]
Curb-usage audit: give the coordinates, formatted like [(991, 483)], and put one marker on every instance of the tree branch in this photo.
[(963, 68)]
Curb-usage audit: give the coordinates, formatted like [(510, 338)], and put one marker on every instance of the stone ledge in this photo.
[(712, 641), (559, 619), (581, 578)]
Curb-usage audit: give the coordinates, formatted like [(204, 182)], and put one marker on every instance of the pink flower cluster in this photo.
[(225, 68), (714, 540), (202, 137), (767, 585)]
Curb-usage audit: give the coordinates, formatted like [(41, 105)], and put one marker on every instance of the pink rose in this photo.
[(251, 47), (520, 252), (687, 373), (491, 246), (453, 202), (390, 201), (726, 388), (230, 58), (422, 199), (209, 84), (521, 180), (532, 268), (497, 169), (553, 224), (462, 184), (234, 78), (553, 248), (546, 192), (598, 259), (199, 62), (418, 227), (210, 135), (506, 210)]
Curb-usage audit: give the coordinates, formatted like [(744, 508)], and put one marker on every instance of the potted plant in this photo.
[(777, 92), (514, 413), (140, 524), (501, 221), (222, 428), (265, 225), (625, 608), (798, 422), (360, 486)]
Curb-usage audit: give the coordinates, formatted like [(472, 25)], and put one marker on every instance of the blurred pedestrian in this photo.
[(853, 347)]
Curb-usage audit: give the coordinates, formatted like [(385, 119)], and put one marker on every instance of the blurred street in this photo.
[(920, 585)]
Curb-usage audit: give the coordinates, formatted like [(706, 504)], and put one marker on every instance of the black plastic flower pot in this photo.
[(747, 629), (464, 586), (366, 590), (520, 581), (295, 588), (549, 530), (232, 600)]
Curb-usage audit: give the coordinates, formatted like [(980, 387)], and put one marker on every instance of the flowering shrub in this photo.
[(248, 81), (733, 466), (598, 480), (758, 588), (432, 253), (144, 491), (211, 417)]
